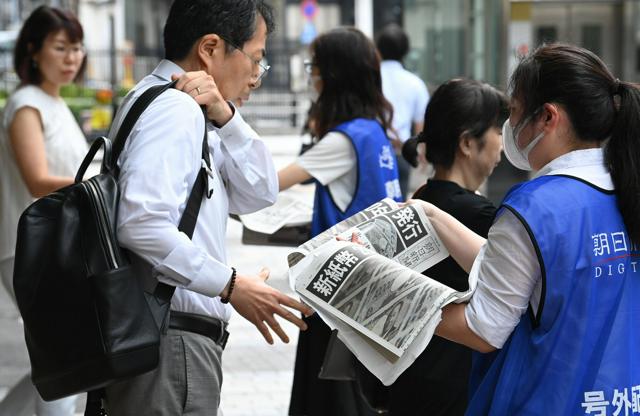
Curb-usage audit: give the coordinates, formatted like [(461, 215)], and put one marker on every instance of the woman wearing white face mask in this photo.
[(557, 276)]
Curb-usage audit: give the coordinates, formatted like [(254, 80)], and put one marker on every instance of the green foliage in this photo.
[(69, 90), (122, 91), (74, 91)]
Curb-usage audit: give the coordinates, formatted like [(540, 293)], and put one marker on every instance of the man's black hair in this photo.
[(233, 20), (393, 43)]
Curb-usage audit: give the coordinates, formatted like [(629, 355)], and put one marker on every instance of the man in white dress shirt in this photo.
[(404, 90), (216, 50)]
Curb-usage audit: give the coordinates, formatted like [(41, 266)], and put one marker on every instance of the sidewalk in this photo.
[(257, 376)]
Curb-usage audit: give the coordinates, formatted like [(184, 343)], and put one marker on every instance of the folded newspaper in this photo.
[(373, 291), (293, 207)]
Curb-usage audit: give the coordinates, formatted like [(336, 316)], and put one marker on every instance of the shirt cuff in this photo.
[(476, 325), (202, 273), (236, 133), (212, 278), (475, 309)]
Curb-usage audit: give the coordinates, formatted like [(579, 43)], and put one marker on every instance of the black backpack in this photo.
[(87, 321)]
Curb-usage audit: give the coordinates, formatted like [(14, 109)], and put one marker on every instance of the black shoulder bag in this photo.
[(87, 321)]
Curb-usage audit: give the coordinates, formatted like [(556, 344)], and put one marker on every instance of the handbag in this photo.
[(87, 320)]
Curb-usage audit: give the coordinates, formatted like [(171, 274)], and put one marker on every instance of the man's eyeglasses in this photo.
[(263, 65)]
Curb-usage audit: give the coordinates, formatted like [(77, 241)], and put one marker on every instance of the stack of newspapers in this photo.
[(364, 278)]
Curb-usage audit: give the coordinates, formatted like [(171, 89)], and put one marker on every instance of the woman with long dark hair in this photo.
[(41, 148), (558, 282), (353, 165), (463, 137)]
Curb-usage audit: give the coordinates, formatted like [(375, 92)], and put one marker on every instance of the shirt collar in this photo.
[(391, 64), (586, 164), (166, 68)]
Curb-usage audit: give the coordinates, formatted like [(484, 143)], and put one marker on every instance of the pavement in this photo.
[(257, 376)]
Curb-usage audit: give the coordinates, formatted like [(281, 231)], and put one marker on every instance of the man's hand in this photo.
[(202, 87), (258, 303)]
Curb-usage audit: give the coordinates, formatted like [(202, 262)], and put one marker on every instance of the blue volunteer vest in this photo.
[(377, 174), (579, 353)]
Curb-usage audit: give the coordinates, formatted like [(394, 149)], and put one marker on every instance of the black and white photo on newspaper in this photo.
[(342, 229), (373, 292)]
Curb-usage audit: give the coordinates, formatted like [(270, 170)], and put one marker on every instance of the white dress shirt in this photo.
[(158, 167), (333, 162), (408, 95), (507, 268)]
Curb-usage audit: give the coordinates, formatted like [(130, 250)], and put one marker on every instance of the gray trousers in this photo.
[(187, 381), (23, 399)]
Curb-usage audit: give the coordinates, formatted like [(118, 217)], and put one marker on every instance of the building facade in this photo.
[(482, 39)]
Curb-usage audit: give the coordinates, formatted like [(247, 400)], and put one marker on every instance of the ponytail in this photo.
[(622, 156), (600, 107)]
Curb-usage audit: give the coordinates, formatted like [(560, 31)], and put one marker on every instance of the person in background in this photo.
[(406, 92), (41, 148), (463, 137), (558, 285), (354, 166), (215, 50)]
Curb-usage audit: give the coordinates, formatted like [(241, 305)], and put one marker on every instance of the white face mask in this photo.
[(518, 157), (313, 92)]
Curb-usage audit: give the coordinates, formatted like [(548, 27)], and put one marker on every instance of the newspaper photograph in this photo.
[(404, 235), (380, 207), (400, 233), (378, 297)]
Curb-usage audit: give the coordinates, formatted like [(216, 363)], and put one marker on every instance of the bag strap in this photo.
[(95, 403), (189, 217), (132, 117)]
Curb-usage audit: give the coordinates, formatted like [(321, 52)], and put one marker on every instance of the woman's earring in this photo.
[(34, 63)]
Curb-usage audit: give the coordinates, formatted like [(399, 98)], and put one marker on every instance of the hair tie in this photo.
[(616, 86), (617, 100)]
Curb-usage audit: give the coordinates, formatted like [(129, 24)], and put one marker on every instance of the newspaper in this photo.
[(289, 210), (342, 229), (385, 310)]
